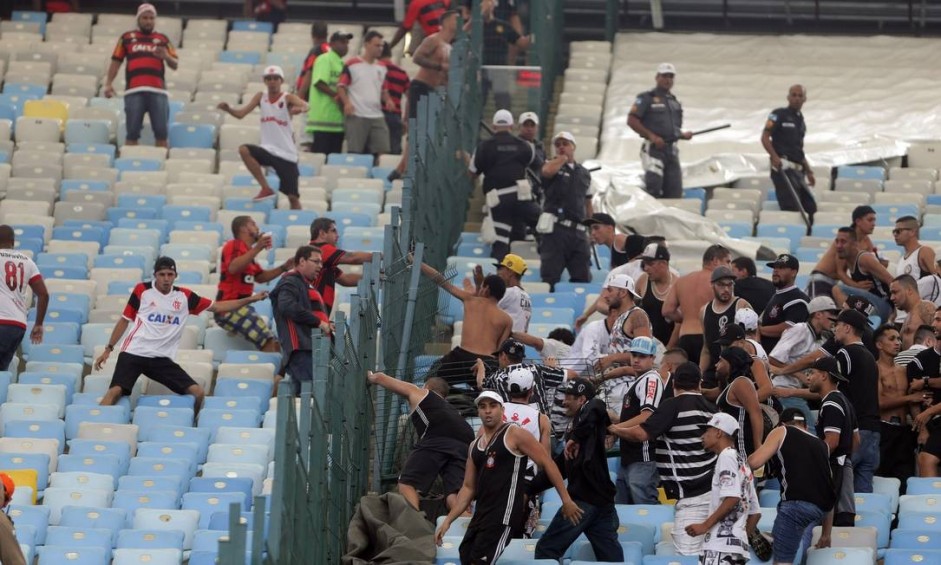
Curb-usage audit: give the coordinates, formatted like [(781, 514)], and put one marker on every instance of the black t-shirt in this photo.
[(502, 160), (830, 346), (787, 305), (804, 467), (660, 112), (837, 415), (859, 366), (926, 364), (756, 290), (787, 134), (498, 36)]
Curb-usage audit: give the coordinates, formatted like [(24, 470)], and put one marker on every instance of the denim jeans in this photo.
[(793, 519), (10, 339), (865, 460), (156, 105), (598, 523), (637, 483)]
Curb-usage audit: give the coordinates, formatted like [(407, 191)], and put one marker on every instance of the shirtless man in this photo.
[(864, 223), (486, 326), (823, 277), (904, 295), (687, 297), (897, 440), (433, 58)]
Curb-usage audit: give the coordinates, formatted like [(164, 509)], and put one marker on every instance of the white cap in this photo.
[(491, 395), (529, 116), (144, 8), (666, 69), (748, 318), (566, 136), (519, 380), (502, 118), (724, 422), (273, 70), (822, 304), (621, 281)]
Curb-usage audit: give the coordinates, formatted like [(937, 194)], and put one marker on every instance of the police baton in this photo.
[(712, 129)]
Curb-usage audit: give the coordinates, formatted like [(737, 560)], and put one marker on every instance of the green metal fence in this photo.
[(546, 24)]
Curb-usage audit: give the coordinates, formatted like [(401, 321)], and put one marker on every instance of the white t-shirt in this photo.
[(524, 416), (363, 82), (519, 306), (277, 135), (796, 341), (18, 271), (158, 319), (731, 478), (590, 345)]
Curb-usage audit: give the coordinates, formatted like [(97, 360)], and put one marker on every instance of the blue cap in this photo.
[(643, 345)]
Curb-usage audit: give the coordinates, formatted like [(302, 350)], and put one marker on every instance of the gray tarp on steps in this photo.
[(386, 529)]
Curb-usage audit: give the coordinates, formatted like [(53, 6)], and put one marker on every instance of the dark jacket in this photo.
[(293, 314)]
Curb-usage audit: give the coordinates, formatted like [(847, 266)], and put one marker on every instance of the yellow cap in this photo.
[(514, 263)]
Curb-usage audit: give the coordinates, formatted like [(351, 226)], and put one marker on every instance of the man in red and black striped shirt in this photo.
[(318, 36), (146, 51), (396, 84), (427, 13), (324, 236)]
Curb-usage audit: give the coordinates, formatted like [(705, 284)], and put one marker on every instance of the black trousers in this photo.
[(565, 248), (787, 199), (663, 177), (897, 445), (505, 216)]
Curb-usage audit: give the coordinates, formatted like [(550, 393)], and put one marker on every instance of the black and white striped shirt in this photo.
[(545, 382), (681, 458)]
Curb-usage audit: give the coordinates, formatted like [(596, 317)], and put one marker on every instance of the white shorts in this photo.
[(693, 510)]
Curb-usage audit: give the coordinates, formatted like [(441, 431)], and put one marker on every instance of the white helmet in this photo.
[(519, 380)]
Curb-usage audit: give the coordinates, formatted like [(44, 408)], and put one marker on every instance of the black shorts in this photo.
[(161, 369), (933, 443), (416, 89), (457, 367), (484, 543), (287, 171), (440, 456), (692, 344)]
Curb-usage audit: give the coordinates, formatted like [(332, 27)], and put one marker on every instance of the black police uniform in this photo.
[(503, 160), (787, 130), (535, 179), (566, 247), (661, 113), (498, 36)]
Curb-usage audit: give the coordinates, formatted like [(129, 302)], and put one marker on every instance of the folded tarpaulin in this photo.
[(386, 530)]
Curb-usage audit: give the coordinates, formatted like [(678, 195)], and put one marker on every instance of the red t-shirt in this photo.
[(312, 55), (327, 280), (238, 285), (427, 13), (144, 70)]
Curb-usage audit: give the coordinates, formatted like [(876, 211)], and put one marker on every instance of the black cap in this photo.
[(721, 272), (829, 365), (860, 211), (164, 262), (655, 252), (730, 333), (513, 348), (634, 245), (860, 304), (789, 415), (785, 261), (339, 34), (600, 218), (580, 387), (687, 376), (854, 319)]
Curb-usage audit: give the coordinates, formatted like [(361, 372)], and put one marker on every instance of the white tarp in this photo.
[(866, 96)]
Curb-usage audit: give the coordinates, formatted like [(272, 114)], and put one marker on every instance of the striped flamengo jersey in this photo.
[(144, 70)]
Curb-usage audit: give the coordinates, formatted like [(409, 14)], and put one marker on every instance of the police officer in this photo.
[(503, 160), (529, 131), (783, 139), (658, 117), (567, 203)]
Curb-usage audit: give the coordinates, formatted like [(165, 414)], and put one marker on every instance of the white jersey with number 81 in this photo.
[(18, 272)]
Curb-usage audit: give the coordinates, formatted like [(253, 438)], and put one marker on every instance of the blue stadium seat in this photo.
[(473, 249), (213, 419), (860, 172), (209, 503), (671, 560), (111, 519), (160, 467), (115, 261), (146, 483), (77, 315), (174, 213), (347, 219), (792, 232), (79, 185), (49, 429), (72, 273), (188, 452), (26, 16), (58, 260), (77, 414), (115, 214), (57, 353), (291, 217), (911, 556), (6, 377), (87, 132), (34, 245), (217, 485), (148, 417), (736, 229), (651, 514), (35, 517), (825, 230), (251, 25), (249, 205), (915, 539), (200, 437), (240, 57), (131, 500), (155, 201), (38, 462), (558, 300), (25, 91), (68, 233), (162, 226), (887, 214), (79, 537), (29, 231), (256, 389), (167, 401), (150, 539), (243, 356), (350, 160), (873, 502), (103, 464), (119, 449), (192, 135), (923, 485)]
